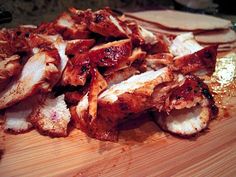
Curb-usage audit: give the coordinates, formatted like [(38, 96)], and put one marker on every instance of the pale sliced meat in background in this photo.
[(155, 28), (217, 36), (222, 47), (181, 20)]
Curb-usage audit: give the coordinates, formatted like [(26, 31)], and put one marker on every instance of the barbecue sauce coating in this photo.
[(202, 59)]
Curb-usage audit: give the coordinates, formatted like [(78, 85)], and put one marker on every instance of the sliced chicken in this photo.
[(121, 75), (185, 122), (159, 60), (204, 59), (40, 73), (141, 36), (38, 41), (189, 108), (51, 117), (137, 54), (79, 46), (16, 117), (9, 67), (76, 71), (111, 53), (61, 45), (73, 97), (69, 29), (150, 42), (104, 23), (184, 44), (97, 85), (114, 104), (13, 41)]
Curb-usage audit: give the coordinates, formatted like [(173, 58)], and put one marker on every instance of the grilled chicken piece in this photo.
[(117, 102), (190, 57), (189, 109), (14, 52), (97, 85), (204, 59), (76, 71), (61, 46), (13, 41), (152, 43), (105, 24), (40, 73), (141, 36), (37, 41), (121, 75), (159, 60), (69, 29), (16, 117), (9, 67), (111, 53), (42, 40), (185, 122), (79, 46), (73, 97), (137, 54), (51, 117), (184, 44)]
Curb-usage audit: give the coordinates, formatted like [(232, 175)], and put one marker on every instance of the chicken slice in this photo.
[(73, 97), (97, 85), (61, 45), (117, 102), (184, 44), (104, 23), (185, 122), (150, 42), (111, 53), (9, 67), (69, 29), (51, 117), (159, 60), (121, 75), (38, 41), (16, 117), (189, 108), (204, 59), (40, 73), (137, 54), (141, 36), (77, 70), (79, 46)]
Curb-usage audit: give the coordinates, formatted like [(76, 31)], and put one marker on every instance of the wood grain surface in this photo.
[(142, 151)]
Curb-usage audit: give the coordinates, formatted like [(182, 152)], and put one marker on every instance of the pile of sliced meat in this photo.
[(208, 30), (95, 70)]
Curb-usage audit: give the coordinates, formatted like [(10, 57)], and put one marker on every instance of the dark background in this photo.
[(36, 11)]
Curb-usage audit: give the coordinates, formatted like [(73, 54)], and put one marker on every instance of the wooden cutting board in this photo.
[(143, 150)]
